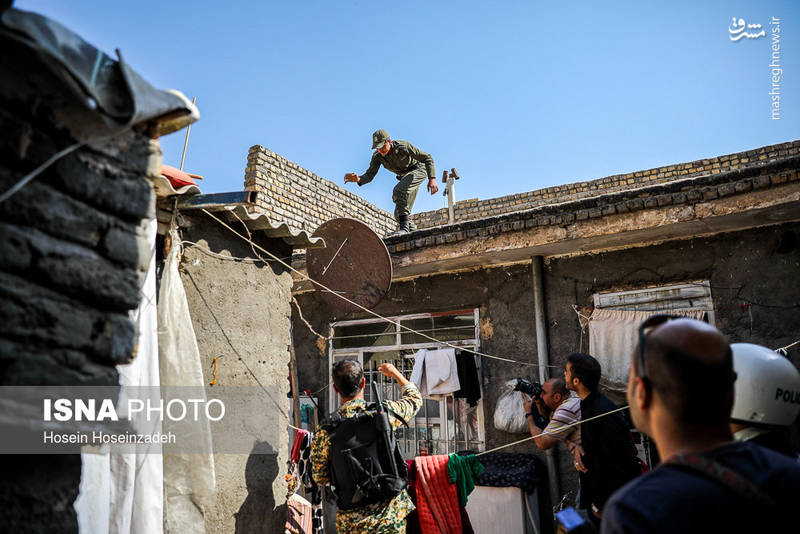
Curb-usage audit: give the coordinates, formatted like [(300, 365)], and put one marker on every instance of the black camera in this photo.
[(534, 389)]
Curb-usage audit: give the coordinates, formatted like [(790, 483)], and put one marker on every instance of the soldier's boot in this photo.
[(403, 227)]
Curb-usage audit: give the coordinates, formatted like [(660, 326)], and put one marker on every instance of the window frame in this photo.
[(697, 294), (358, 353), (684, 296)]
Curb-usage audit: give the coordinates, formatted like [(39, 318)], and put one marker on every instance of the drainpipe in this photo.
[(544, 361)]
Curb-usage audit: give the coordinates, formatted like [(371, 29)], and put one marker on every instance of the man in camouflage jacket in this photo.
[(385, 517)]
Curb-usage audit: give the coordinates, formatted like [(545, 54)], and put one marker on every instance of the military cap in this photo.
[(379, 137)]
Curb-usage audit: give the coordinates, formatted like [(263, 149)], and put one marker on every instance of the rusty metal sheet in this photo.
[(355, 263)]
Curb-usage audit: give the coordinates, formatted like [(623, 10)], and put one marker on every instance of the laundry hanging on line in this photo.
[(435, 373), (467, 378), (299, 474), (298, 515), (463, 471), (438, 510)]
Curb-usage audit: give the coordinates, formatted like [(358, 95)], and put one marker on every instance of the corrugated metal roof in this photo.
[(259, 222), (231, 208), (164, 188)]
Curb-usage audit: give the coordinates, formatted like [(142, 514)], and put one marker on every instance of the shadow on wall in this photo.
[(258, 512)]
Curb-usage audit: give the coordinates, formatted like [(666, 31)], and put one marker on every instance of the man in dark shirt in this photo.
[(410, 164), (609, 457), (680, 392)]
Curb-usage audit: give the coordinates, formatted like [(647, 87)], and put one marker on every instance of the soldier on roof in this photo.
[(410, 164)]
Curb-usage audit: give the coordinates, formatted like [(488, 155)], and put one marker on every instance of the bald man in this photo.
[(680, 392)]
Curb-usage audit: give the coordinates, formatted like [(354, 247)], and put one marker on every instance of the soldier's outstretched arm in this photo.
[(369, 174), (411, 400)]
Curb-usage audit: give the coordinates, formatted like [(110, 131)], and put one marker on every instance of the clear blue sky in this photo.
[(516, 95)]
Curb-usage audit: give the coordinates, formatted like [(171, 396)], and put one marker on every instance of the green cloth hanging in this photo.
[(463, 471)]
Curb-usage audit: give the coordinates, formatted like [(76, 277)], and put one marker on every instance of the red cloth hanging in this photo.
[(299, 436), (437, 498)]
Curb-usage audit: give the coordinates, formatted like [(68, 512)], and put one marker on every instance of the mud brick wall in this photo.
[(72, 258), (473, 209), (288, 192)]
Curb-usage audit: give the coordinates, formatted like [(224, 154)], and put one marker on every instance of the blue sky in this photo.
[(516, 95)]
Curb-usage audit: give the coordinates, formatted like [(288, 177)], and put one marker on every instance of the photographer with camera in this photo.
[(549, 410)]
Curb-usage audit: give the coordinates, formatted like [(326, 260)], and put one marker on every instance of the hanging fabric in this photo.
[(299, 475), (463, 472), (467, 377), (189, 479), (437, 498), (612, 339), (435, 373), (121, 493), (298, 515)]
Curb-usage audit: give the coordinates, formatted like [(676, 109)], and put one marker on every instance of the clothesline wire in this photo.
[(560, 431), (38, 170), (243, 362), (308, 325), (787, 347), (359, 306), (217, 255)]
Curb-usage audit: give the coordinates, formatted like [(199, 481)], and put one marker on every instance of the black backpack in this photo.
[(363, 470)]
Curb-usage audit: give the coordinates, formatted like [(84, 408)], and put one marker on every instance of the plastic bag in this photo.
[(509, 414)]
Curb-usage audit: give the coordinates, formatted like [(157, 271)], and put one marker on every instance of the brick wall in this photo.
[(290, 193), (477, 209)]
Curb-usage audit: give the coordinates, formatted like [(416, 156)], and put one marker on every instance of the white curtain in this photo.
[(613, 338), (189, 479), (122, 493)]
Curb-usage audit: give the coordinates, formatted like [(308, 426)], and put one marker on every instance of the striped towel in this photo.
[(298, 515)]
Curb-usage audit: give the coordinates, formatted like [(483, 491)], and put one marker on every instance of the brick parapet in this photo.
[(290, 193), (473, 209), (763, 174)]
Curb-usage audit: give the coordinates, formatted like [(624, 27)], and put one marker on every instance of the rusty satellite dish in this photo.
[(354, 264)]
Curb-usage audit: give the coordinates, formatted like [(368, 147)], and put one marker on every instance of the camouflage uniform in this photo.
[(386, 517), (411, 165)]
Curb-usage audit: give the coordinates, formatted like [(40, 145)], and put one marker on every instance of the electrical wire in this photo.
[(38, 170), (560, 431)]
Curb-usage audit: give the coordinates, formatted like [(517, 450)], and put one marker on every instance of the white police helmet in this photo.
[(767, 388)]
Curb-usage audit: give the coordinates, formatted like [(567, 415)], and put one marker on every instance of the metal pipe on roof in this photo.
[(217, 200), (186, 141), (543, 355)]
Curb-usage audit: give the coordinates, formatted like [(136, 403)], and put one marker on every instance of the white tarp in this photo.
[(123, 493), (613, 337), (189, 479)]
